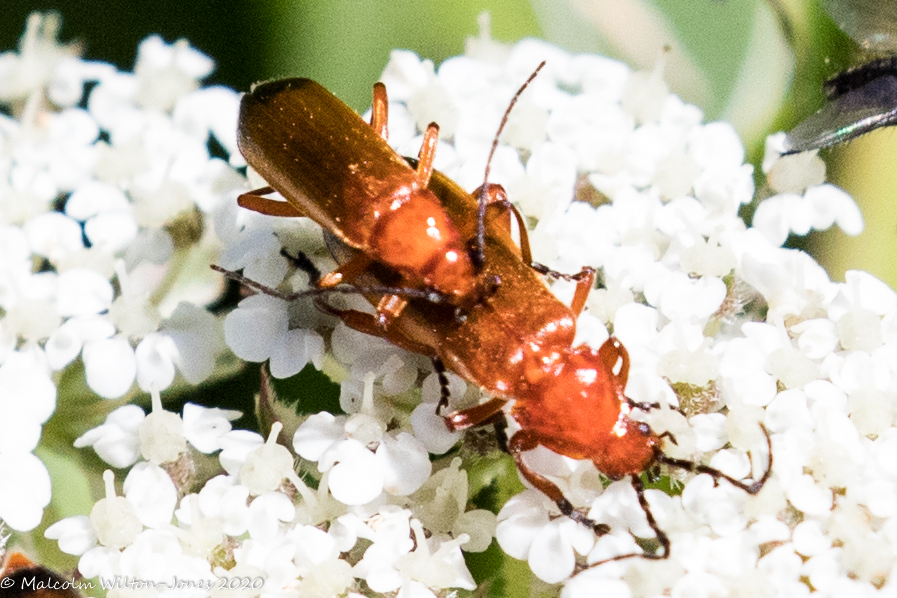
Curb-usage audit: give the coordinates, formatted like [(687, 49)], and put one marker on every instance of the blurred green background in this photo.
[(756, 63)]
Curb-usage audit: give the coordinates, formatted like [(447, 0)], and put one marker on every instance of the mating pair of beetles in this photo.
[(448, 281)]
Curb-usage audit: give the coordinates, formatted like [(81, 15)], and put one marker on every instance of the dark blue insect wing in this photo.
[(871, 23), (859, 76), (850, 115)]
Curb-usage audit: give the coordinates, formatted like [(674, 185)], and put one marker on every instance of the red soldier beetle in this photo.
[(338, 170), (515, 342), (568, 399)]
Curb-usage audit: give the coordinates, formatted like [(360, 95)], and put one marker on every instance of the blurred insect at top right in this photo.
[(864, 97)]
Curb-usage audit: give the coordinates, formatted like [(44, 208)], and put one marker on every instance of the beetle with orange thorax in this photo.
[(340, 171), (397, 226)]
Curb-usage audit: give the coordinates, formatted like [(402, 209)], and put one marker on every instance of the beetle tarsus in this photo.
[(567, 510), (380, 111), (444, 392)]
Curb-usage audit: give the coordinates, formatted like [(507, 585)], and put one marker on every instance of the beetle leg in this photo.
[(302, 262), (380, 111), (474, 416), (523, 441), (664, 540), (498, 206), (426, 155), (257, 202), (646, 406), (389, 308), (444, 393), (615, 355), (368, 324), (339, 290), (347, 273), (584, 280), (661, 536), (583, 288), (669, 435), (501, 432), (391, 304)]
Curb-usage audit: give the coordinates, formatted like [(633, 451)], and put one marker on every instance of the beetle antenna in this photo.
[(752, 488), (659, 534), (480, 254), (431, 296)]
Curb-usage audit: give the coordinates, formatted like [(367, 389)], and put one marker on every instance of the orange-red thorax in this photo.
[(416, 237), (577, 409)]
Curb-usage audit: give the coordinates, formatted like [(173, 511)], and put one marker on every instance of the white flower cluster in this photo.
[(726, 330), (107, 190), (259, 520)]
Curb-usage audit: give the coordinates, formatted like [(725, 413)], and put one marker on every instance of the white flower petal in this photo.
[(75, 534), (155, 367), (294, 350), (152, 493), (27, 491), (430, 429), (251, 329), (317, 433), (110, 366), (356, 477), (404, 463), (236, 445), (520, 521), (83, 292), (265, 513), (116, 441), (204, 426)]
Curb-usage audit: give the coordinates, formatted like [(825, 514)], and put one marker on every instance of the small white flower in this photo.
[(259, 330), (525, 532), (27, 400), (236, 446), (65, 342), (265, 514), (204, 426), (75, 534), (224, 498), (116, 441), (152, 493), (110, 366), (35, 64), (435, 563), (356, 478), (114, 518), (807, 496), (404, 462), (265, 468), (27, 492), (726, 330), (156, 555)]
